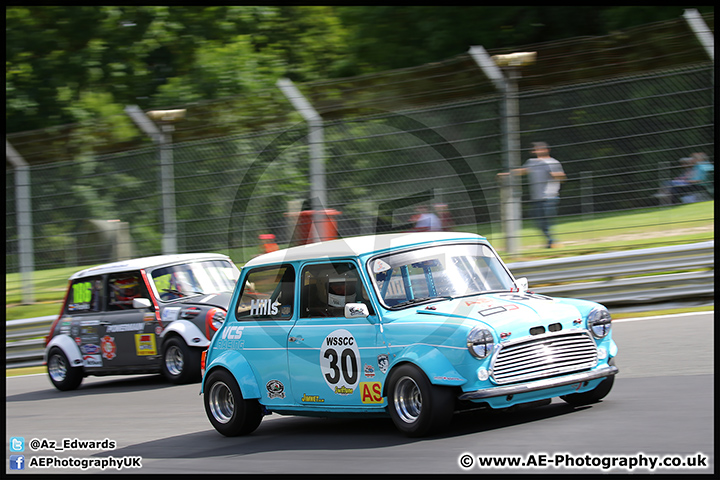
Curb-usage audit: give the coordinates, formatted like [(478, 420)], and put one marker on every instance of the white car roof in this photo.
[(147, 262), (354, 246)]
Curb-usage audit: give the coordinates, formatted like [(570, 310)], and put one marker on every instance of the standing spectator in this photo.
[(443, 213), (545, 174), (426, 221)]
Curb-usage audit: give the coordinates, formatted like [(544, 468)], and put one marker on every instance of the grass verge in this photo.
[(579, 235)]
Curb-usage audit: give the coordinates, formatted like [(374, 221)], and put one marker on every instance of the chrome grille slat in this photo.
[(544, 361), (542, 368), (542, 356), (565, 342), (525, 355)]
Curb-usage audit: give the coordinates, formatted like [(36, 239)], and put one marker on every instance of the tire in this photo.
[(416, 406), (227, 410), (593, 396), (64, 376), (180, 363)]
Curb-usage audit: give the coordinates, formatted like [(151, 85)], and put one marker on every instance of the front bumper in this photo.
[(547, 383)]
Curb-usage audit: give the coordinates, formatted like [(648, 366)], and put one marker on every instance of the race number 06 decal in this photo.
[(339, 362)]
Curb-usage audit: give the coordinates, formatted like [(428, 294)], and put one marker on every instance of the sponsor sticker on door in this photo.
[(145, 344)]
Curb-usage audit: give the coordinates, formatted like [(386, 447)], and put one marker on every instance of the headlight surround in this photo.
[(480, 342), (213, 321), (599, 322)]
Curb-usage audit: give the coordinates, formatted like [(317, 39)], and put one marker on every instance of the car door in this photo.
[(82, 316), (333, 360), (259, 328), (127, 334)]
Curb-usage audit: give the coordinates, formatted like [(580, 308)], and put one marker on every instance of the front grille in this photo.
[(543, 356)]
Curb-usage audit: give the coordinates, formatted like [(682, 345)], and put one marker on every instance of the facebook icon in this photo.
[(17, 462)]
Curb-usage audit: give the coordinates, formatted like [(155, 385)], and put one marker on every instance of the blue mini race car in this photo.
[(415, 326)]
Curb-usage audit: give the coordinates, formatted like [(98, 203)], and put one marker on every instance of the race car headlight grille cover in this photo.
[(599, 322), (480, 342)]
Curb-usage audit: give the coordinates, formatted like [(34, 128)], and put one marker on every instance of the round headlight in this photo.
[(218, 319), (480, 342), (214, 320), (599, 322)]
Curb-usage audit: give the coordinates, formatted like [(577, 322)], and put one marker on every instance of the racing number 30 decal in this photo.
[(339, 361)]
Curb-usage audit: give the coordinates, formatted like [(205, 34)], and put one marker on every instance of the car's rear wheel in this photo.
[(63, 375), (180, 363), (227, 410), (416, 406)]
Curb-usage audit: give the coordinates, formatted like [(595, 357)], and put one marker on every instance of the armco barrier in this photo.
[(622, 278), (652, 275)]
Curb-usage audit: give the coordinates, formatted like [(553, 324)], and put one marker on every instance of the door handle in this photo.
[(295, 339), (104, 323)]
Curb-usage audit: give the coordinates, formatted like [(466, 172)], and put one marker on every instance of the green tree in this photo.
[(156, 56)]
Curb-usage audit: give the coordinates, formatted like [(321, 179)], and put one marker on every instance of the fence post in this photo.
[(23, 207), (163, 139), (167, 189), (704, 34), (508, 85), (316, 141), (509, 211), (586, 193)]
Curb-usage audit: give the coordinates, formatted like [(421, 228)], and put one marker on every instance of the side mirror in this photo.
[(141, 303), (522, 284), (356, 310)]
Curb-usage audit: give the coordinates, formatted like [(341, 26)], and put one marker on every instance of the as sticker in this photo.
[(371, 392), (340, 362)]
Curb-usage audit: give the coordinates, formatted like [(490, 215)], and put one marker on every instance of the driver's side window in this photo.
[(123, 288), (268, 293), (327, 287)]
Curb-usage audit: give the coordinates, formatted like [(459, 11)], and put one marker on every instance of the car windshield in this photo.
[(436, 272), (196, 278)]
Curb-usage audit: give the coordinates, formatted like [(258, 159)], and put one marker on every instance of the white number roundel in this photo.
[(340, 362)]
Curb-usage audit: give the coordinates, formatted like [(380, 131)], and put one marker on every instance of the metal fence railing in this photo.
[(431, 134)]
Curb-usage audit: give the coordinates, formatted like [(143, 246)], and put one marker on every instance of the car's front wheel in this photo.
[(180, 362), (63, 375), (227, 410), (592, 396), (416, 406)]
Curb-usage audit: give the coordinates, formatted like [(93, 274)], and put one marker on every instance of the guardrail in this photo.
[(650, 275), (25, 341)]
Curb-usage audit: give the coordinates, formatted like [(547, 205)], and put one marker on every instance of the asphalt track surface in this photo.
[(662, 405)]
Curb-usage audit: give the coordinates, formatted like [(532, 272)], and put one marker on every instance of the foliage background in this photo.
[(68, 64)]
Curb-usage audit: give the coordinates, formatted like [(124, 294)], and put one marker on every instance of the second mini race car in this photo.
[(146, 315)]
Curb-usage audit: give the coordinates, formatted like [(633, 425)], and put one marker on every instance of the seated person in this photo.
[(696, 181)]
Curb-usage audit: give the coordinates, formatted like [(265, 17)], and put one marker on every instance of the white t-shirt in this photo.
[(429, 222)]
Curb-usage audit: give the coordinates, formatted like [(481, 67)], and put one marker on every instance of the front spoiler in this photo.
[(540, 384)]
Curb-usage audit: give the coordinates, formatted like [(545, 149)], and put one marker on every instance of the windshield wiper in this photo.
[(421, 300), (485, 292)]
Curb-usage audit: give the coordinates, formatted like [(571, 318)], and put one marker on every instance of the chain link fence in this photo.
[(431, 135)]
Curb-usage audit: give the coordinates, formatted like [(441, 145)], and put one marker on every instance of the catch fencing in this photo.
[(429, 135)]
